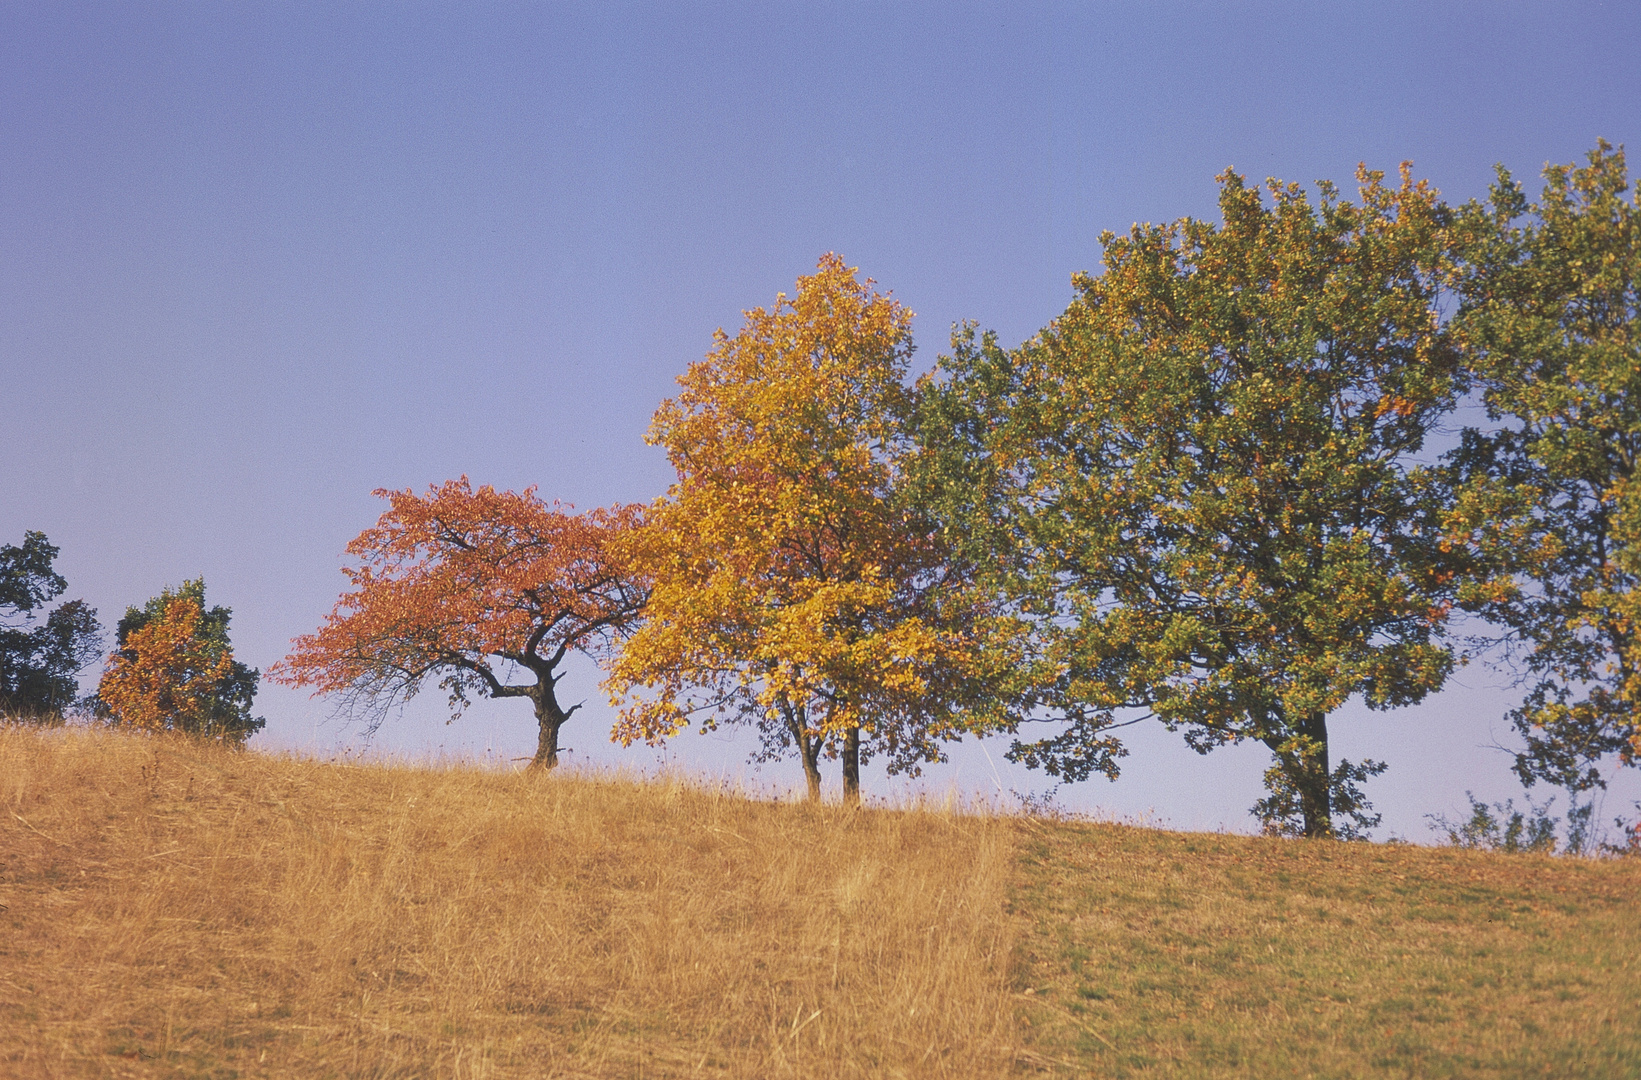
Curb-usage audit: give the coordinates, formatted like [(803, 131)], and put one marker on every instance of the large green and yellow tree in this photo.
[(487, 592), (793, 590), (1202, 484), (1552, 493)]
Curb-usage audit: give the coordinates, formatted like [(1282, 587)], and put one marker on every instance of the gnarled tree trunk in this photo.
[(549, 718)]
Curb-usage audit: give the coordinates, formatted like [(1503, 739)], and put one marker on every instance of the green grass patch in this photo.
[(1149, 954)]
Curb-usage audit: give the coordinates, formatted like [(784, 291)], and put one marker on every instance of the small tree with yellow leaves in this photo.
[(175, 671)]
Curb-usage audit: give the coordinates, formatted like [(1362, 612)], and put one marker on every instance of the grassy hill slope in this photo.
[(1165, 954), (175, 910)]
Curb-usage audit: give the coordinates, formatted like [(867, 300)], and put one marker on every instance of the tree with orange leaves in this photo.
[(174, 670), (793, 589), (471, 587)]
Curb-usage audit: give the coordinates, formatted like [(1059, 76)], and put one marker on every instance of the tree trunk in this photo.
[(1312, 778), (549, 718), (808, 748), (851, 767), (811, 767), (546, 742)]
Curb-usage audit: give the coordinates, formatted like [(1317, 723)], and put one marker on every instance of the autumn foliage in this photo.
[(1203, 496), (793, 589), (175, 671), (467, 587)]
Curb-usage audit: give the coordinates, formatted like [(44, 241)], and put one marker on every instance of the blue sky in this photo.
[(255, 264)]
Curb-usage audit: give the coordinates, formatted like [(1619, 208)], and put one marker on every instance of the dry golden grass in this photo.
[(175, 910), (168, 909)]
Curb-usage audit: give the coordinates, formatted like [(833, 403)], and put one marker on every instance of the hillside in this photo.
[(1146, 953), (176, 910)]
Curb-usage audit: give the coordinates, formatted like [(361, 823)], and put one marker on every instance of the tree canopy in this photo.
[(470, 587), (1201, 485), (174, 670), (1549, 323), (40, 659), (794, 590), (1204, 496)]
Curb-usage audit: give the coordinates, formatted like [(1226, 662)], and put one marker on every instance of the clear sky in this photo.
[(255, 264)]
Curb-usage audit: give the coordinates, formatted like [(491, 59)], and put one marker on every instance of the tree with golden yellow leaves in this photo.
[(794, 590)]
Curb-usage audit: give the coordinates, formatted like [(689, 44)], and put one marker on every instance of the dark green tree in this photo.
[(39, 659), (1201, 489), (1549, 320)]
